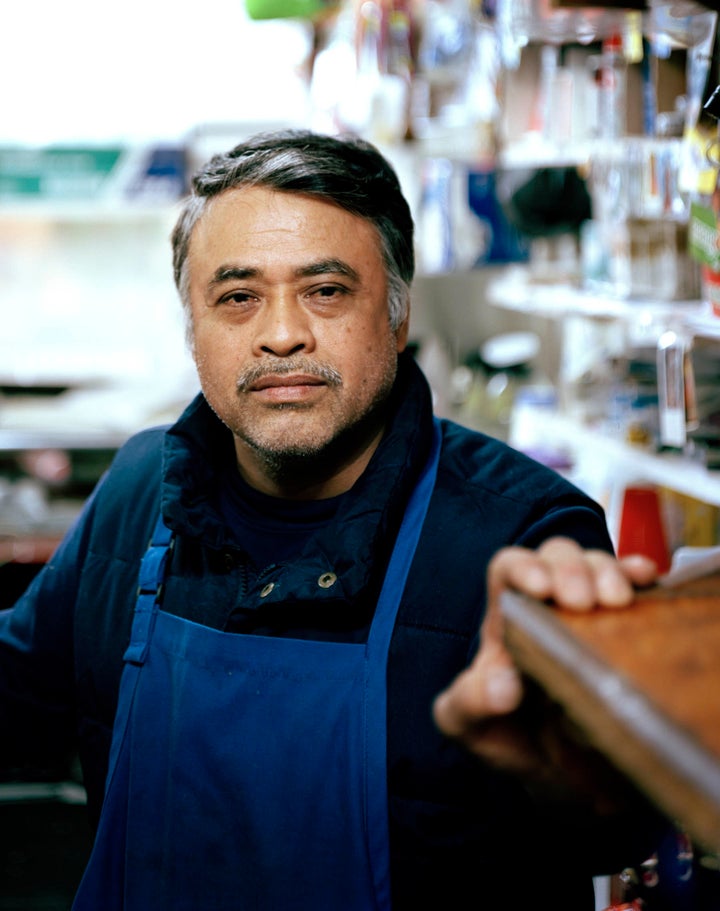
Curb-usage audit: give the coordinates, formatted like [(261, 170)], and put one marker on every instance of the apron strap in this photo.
[(405, 545), (149, 593), (378, 648)]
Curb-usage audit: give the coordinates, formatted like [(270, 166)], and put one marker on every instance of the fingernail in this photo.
[(503, 690)]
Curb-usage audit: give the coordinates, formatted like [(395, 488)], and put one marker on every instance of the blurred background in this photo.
[(561, 161)]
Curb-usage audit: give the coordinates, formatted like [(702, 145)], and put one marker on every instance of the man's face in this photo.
[(290, 320)]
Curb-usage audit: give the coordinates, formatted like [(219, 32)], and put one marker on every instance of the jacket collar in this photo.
[(198, 452)]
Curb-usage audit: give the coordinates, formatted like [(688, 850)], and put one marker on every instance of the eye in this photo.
[(239, 299), (328, 293)]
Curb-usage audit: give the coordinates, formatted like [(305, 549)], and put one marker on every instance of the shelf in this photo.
[(630, 463), (535, 151), (44, 438), (680, 23), (27, 548), (99, 210), (627, 463), (516, 291), (96, 414), (704, 326)]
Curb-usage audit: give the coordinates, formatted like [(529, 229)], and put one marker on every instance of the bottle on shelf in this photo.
[(611, 77)]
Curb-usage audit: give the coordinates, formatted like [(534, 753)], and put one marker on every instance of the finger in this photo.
[(521, 569), (585, 579), (640, 570), (490, 686), (617, 581), (607, 584), (504, 744), (517, 568), (571, 572)]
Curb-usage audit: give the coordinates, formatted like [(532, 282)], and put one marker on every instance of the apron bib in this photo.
[(249, 772)]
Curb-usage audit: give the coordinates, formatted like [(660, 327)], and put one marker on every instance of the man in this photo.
[(252, 691)]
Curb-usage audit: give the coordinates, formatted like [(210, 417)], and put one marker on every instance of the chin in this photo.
[(290, 441)]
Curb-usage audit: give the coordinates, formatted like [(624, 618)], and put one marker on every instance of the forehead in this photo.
[(260, 221)]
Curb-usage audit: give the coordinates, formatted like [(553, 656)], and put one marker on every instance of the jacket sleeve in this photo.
[(582, 520), (37, 715)]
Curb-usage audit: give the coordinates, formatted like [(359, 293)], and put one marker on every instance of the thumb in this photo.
[(490, 686)]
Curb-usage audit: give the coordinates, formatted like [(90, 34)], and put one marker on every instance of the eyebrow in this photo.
[(321, 267), (324, 266), (229, 273)]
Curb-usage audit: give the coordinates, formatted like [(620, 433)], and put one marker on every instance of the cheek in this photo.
[(200, 353), (215, 344), (215, 365), (377, 361)]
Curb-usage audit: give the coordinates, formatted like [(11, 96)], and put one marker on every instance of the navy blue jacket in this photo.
[(455, 824)]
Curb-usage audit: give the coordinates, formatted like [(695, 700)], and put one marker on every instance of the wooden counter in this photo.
[(643, 684)]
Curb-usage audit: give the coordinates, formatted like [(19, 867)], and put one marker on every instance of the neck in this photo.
[(312, 476)]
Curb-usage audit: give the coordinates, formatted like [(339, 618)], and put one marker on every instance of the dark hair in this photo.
[(346, 171)]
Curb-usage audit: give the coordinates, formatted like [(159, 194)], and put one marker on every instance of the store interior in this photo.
[(561, 161)]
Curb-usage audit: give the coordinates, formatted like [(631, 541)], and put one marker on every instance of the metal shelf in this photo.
[(515, 290), (680, 23), (86, 211), (44, 438), (632, 463)]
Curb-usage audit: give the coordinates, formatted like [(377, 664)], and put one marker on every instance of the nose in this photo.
[(283, 327)]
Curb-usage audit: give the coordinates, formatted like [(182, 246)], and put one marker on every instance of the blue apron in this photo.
[(249, 772)]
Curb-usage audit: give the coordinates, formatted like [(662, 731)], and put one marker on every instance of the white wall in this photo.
[(85, 71)]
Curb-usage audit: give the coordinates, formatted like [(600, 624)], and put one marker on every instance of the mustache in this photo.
[(248, 377)]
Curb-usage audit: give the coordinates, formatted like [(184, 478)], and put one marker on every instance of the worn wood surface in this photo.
[(643, 684)]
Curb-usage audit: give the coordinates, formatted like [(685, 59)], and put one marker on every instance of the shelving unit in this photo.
[(635, 292), (91, 351), (515, 290), (631, 463), (89, 272), (107, 210), (603, 460), (595, 452)]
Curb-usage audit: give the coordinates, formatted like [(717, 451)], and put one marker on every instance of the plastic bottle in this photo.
[(612, 89)]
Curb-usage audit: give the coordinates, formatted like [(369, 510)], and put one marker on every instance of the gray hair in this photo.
[(346, 171)]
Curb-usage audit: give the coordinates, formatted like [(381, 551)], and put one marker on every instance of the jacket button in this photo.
[(266, 589), (327, 580)]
